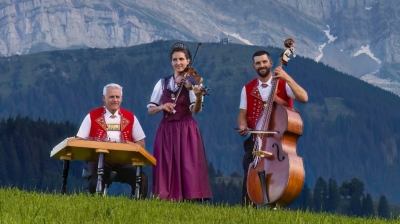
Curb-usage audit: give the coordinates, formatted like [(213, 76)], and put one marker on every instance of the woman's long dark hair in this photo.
[(180, 47)]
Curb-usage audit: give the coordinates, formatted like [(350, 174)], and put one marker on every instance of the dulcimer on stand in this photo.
[(111, 152)]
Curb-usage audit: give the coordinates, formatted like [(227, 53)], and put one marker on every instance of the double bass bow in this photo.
[(276, 176)]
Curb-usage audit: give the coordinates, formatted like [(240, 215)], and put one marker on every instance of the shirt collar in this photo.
[(268, 82), (108, 113)]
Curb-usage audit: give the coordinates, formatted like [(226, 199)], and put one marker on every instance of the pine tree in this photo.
[(13, 163), (367, 208), (383, 208), (355, 206), (356, 188), (344, 189), (211, 175), (308, 198), (3, 167), (320, 195), (211, 172), (356, 192), (334, 196)]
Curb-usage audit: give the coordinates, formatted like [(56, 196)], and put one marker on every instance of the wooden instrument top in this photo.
[(115, 152)]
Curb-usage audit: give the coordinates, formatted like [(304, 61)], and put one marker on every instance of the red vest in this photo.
[(98, 128), (255, 102)]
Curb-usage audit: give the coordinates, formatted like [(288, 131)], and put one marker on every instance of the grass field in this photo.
[(18, 206)]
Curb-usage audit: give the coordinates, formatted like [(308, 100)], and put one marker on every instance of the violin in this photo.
[(190, 77)]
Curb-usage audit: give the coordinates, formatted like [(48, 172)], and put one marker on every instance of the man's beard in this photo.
[(265, 74)]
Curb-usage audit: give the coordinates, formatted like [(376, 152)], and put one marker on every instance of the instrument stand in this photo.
[(65, 176), (66, 160), (76, 149), (100, 174), (138, 182)]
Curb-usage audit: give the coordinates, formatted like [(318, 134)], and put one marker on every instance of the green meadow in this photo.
[(18, 206)]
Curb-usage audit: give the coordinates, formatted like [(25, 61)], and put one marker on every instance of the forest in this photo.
[(25, 161)]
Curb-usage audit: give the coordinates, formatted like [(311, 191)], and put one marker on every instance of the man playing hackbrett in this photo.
[(112, 123), (253, 96)]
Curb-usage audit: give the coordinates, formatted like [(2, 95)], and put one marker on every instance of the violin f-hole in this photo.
[(277, 152)]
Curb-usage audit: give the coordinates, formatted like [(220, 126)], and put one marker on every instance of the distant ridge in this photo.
[(350, 127)]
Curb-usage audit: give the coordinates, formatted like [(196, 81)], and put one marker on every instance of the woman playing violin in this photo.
[(181, 170)]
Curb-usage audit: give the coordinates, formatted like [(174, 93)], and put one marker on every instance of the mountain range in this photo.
[(356, 37)]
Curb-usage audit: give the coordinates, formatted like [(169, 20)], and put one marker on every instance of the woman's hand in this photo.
[(197, 91), (169, 107)]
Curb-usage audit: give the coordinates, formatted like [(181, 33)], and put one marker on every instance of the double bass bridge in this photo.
[(262, 154)]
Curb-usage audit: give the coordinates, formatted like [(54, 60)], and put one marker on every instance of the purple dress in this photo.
[(181, 170)]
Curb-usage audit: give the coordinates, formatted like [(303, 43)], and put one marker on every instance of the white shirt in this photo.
[(264, 92), (155, 99), (114, 136)]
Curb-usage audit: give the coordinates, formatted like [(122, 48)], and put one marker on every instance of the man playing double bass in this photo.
[(253, 96)]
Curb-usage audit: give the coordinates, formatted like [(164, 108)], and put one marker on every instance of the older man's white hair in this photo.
[(111, 85)]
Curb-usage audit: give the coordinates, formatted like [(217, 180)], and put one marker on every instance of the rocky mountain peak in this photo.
[(356, 37)]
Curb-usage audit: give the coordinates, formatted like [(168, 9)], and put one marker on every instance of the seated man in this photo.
[(112, 123)]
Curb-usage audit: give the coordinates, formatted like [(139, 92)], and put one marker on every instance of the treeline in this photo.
[(348, 199), (225, 189), (25, 163)]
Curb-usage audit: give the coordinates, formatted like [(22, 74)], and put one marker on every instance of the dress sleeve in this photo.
[(193, 100), (155, 99)]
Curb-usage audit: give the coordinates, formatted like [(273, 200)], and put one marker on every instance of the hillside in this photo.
[(24, 207), (351, 129)]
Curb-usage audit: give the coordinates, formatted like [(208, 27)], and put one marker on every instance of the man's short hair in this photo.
[(112, 85), (261, 52)]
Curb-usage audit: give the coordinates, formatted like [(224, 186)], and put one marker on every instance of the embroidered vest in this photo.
[(255, 102), (182, 103), (98, 128)]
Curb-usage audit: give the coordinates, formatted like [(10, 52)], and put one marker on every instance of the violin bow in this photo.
[(195, 53), (191, 79)]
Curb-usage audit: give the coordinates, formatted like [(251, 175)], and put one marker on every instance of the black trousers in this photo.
[(247, 159), (126, 173)]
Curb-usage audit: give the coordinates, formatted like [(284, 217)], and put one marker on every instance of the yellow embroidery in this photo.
[(113, 127)]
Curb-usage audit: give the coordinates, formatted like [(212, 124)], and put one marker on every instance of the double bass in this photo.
[(276, 176)]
